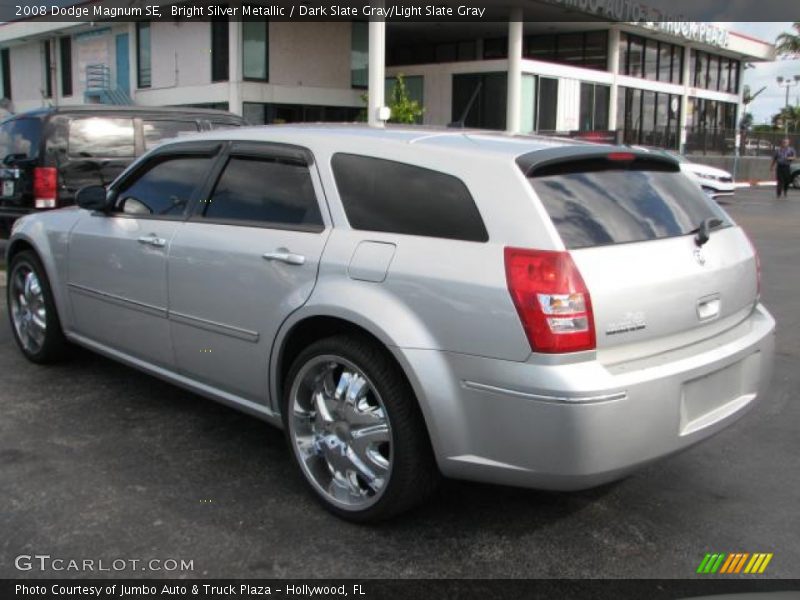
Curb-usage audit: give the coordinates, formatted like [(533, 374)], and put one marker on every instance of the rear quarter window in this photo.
[(20, 138), (395, 197), (157, 130), (101, 136), (598, 202)]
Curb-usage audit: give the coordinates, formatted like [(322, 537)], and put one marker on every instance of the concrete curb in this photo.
[(747, 184)]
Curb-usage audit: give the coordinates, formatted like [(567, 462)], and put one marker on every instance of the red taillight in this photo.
[(552, 300), (621, 156), (758, 264), (45, 180)]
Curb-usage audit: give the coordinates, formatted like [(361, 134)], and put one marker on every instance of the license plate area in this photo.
[(717, 395), (7, 189)]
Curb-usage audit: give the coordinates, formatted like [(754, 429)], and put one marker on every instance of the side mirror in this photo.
[(93, 197)]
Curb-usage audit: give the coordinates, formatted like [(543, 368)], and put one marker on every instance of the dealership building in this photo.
[(660, 84)]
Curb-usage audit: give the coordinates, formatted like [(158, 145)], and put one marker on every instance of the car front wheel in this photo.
[(32, 311), (356, 430)]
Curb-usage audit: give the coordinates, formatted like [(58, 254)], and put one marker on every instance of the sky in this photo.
[(772, 99)]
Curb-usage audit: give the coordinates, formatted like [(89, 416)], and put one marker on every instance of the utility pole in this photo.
[(788, 84)]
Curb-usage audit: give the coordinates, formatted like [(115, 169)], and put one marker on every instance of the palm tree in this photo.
[(788, 44)]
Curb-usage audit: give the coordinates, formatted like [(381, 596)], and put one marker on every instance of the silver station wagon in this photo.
[(408, 304)]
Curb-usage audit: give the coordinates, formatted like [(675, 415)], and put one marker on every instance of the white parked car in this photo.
[(715, 182)]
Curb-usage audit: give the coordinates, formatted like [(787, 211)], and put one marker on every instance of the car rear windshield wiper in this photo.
[(703, 232)]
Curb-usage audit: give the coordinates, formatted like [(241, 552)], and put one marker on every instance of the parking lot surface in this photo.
[(98, 461)]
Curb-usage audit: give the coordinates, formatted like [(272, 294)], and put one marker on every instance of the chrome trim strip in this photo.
[(221, 328), (483, 387), (119, 300)]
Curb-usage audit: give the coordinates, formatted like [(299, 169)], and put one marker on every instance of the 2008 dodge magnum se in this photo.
[(410, 303)]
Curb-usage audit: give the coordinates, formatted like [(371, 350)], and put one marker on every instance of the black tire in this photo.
[(414, 474), (796, 181), (54, 346)]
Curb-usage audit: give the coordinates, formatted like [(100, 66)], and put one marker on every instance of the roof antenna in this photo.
[(460, 123)]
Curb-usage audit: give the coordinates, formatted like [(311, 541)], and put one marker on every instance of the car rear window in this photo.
[(384, 195), (599, 202), (20, 138)]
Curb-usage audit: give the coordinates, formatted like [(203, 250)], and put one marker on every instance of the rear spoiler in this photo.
[(574, 159)]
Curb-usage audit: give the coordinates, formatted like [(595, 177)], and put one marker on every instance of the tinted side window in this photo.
[(164, 188), (266, 191), (224, 125), (155, 131), (20, 137), (383, 195), (100, 136)]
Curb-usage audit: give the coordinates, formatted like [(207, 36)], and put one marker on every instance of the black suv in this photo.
[(47, 154)]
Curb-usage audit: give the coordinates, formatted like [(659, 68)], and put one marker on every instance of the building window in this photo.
[(5, 67), (359, 54), (219, 49), (713, 72), (546, 108), (65, 55), (495, 48), (255, 49), (479, 100), (594, 107), (587, 50), (143, 62), (47, 69), (649, 118), (428, 53), (650, 59)]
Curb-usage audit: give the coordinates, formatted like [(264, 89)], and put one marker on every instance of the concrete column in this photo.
[(377, 113), (235, 67), (514, 93), (133, 61), (613, 68), (687, 57)]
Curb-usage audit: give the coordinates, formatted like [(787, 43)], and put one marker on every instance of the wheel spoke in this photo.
[(367, 470), (323, 412)]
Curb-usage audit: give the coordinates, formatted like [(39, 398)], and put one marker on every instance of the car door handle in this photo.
[(285, 256), (153, 240)]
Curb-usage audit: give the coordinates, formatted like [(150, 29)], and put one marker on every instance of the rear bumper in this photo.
[(578, 425)]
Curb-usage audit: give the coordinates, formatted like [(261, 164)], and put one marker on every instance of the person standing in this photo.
[(781, 165)]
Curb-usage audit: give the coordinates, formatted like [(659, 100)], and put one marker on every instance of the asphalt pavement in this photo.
[(98, 461)]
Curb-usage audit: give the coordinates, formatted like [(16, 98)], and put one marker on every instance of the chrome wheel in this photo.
[(28, 311), (340, 432)]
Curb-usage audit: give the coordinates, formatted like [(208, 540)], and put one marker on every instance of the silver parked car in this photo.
[(410, 303)]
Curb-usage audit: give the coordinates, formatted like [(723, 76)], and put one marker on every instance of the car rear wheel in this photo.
[(32, 311), (356, 430), (796, 181)]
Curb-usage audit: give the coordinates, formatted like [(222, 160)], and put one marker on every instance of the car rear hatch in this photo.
[(20, 143), (664, 266)]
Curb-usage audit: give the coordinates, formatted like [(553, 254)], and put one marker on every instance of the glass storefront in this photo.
[(649, 118)]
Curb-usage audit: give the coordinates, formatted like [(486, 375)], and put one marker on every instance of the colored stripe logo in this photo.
[(734, 563)]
